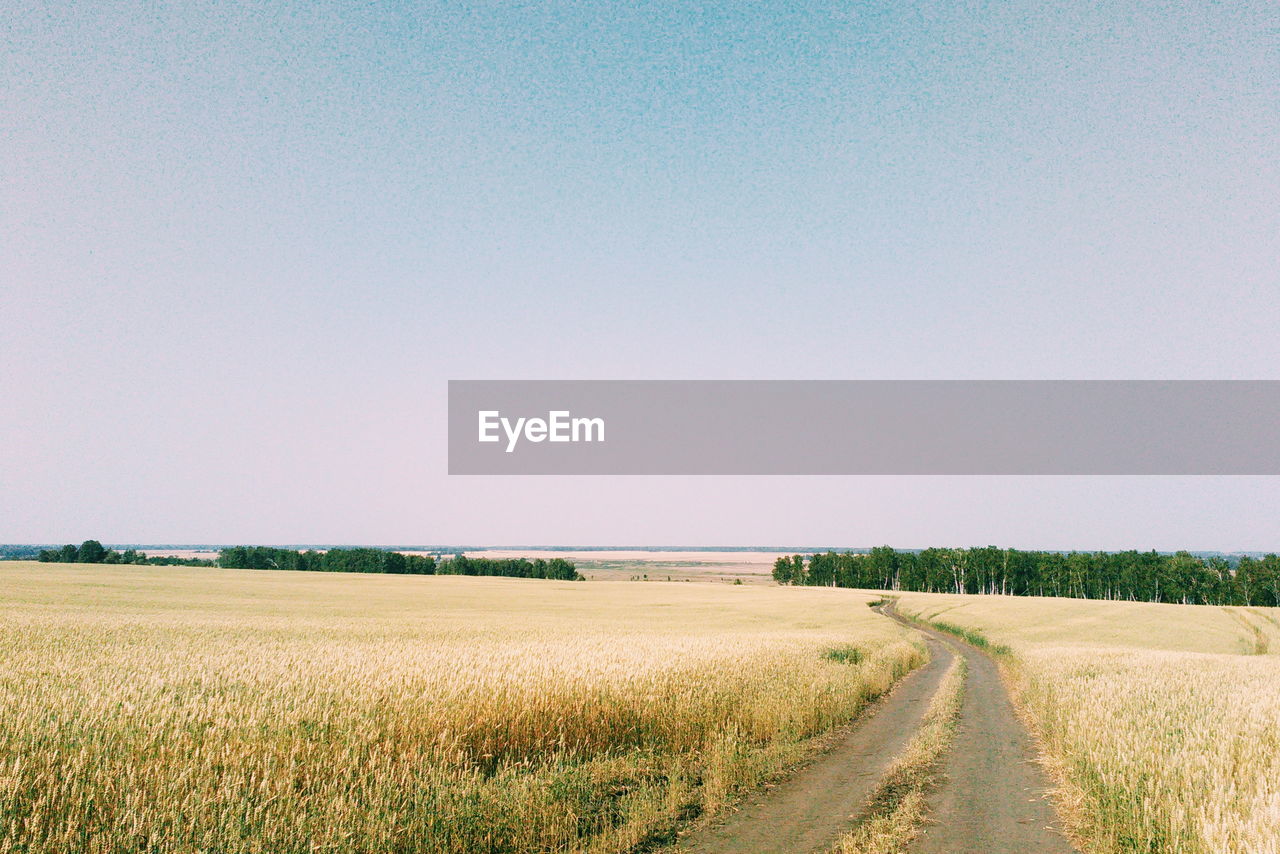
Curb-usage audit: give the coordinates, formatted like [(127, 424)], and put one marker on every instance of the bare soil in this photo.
[(812, 808), (993, 797)]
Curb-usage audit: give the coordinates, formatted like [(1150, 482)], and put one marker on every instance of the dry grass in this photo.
[(197, 710), (897, 809), (1161, 722)]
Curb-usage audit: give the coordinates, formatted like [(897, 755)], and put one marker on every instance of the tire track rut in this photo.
[(809, 810), (993, 798)]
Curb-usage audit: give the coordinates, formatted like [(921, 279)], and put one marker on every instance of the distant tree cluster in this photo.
[(381, 560), (1131, 575), (333, 560), (556, 569), (92, 551)]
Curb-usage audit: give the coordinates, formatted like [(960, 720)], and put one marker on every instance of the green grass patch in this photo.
[(844, 654), (971, 636)]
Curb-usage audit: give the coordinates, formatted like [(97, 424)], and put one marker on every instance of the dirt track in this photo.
[(813, 807), (992, 799)]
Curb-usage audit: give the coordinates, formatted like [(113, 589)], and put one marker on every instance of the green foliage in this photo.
[(1131, 575), (370, 560), (790, 570), (92, 551), (971, 636), (367, 560), (557, 569), (334, 560), (846, 654)]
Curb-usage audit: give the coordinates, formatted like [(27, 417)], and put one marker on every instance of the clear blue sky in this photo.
[(244, 245)]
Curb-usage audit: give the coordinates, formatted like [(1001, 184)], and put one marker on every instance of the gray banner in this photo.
[(864, 427)]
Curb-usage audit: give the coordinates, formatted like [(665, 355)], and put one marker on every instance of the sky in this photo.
[(244, 246)]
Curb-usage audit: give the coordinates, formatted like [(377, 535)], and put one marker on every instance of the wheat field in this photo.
[(166, 709), (1161, 722)]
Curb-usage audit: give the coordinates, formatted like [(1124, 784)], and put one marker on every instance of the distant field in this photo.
[(1163, 721), (171, 709), (614, 564), (638, 564)]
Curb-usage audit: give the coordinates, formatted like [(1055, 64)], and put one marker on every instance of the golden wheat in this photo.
[(1162, 722), (197, 710)]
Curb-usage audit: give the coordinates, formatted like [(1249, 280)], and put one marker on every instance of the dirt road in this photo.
[(811, 809), (992, 799)]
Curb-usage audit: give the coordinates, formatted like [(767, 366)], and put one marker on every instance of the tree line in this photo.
[(92, 551), (1131, 575), (8, 552), (332, 560), (381, 560)]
